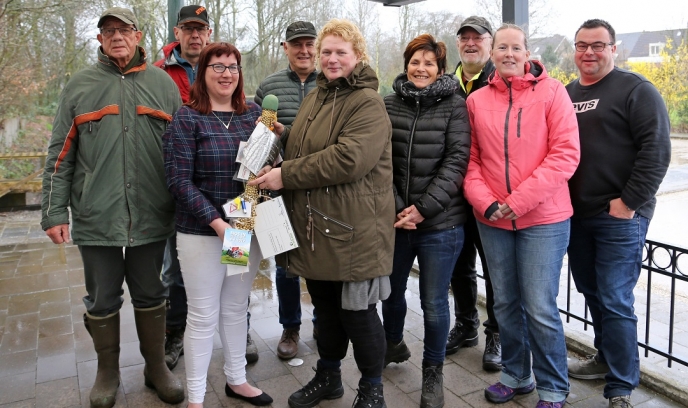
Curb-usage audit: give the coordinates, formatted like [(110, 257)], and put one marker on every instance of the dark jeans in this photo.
[(464, 282), (172, 278), (436, 251), (605, 254), (337, 326), (289, 300), (106, 268)]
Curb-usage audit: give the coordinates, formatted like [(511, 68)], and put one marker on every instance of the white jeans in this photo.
[(213, 298)]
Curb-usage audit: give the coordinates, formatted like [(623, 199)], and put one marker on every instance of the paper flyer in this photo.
[(273, 229), (236, 247)]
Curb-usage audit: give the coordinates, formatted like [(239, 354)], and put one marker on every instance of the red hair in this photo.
[(199, 99)]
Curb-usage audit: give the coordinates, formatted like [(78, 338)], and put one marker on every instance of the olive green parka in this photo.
[(337, 176)]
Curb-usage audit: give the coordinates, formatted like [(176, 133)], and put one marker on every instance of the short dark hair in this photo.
[(426, 42), (595, 23), (199, 99)]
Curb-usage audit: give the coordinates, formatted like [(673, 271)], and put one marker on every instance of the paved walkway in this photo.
[(47, 357)]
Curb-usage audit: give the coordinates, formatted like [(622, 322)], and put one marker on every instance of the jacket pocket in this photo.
[(331, 227), (85, 204)]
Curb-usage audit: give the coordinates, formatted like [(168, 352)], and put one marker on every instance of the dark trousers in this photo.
[(172, 278), (464, 282), (337, 326), (106, 268)]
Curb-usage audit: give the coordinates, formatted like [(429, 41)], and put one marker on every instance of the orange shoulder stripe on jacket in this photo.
[(79, 120), (158, 114)]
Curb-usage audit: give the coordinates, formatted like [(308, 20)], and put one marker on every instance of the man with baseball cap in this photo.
[(474, 41), (290, 86), (180, 62), (105, 164)]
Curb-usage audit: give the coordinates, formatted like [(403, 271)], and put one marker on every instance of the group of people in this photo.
[(494, 158)]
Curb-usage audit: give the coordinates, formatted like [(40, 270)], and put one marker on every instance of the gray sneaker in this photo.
[(622, 401), (588, 369)]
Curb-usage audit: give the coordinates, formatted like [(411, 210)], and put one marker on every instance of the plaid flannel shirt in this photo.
[(200, 162)]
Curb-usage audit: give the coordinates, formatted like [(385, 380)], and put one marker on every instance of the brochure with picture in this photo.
[(236, 247)]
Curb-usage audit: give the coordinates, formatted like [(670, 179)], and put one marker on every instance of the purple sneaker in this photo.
[(550, 404), (500, 393)]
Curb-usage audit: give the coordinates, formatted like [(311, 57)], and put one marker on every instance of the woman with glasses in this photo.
[(430, 147), (200, 161), (524, 148)]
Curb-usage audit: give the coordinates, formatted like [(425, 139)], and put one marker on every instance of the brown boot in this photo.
[(150, 326), (105, 334)]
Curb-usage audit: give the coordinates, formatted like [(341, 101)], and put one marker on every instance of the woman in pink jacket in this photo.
[(524, 148)]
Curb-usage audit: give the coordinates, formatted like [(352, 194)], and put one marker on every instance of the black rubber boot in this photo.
[(327, 384), (150, 326), (105, 334)]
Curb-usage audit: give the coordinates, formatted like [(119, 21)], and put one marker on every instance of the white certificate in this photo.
[(273, 229)]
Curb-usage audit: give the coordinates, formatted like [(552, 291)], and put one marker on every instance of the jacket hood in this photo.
[(535, 72), (445, 85), (361, 77)]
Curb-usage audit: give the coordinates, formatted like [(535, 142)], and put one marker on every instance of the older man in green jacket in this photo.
[(105, 163)]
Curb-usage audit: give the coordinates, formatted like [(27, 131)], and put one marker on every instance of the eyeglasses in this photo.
[(477, 40), (188, 30), (125, 31), (598, 46), (219, 68)]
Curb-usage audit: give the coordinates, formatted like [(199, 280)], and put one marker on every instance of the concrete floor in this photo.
[(47, 357)]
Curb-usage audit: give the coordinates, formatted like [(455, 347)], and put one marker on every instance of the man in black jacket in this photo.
[(625, 152), (474, 40)]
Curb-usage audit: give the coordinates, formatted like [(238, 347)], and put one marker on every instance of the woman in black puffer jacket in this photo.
[(430, 151)]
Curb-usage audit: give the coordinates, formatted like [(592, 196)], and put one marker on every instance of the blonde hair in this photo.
[(509, 26), (349, 32)]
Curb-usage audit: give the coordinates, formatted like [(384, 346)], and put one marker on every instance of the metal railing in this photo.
[(658, 259)]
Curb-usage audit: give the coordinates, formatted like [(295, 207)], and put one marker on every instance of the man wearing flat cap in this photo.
[(180, 61), (290, 86), (474, 41), (105, 165)]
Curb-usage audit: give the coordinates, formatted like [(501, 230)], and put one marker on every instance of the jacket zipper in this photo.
[(518, 128), (506, 145), (303, 92), (408, 155), (327, 218)]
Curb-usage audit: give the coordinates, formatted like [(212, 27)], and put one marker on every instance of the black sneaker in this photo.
[(396, 353), (492, 356), (174, 346), (461, 336), (432, 394), (369, 396), (327, 384)]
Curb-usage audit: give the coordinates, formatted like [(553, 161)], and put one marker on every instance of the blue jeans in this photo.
[(172, 279), (605, 255), (437, 252), (525, 266), (289, 299)]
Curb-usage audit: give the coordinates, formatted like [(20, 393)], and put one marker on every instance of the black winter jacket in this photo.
[(488, 69), (431, 140)]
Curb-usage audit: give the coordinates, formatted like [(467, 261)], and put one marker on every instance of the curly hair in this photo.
[(349, 32)]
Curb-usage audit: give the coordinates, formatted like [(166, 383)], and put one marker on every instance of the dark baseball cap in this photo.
[(479, 24), (193, 13), (300, 29), (126, 15)]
